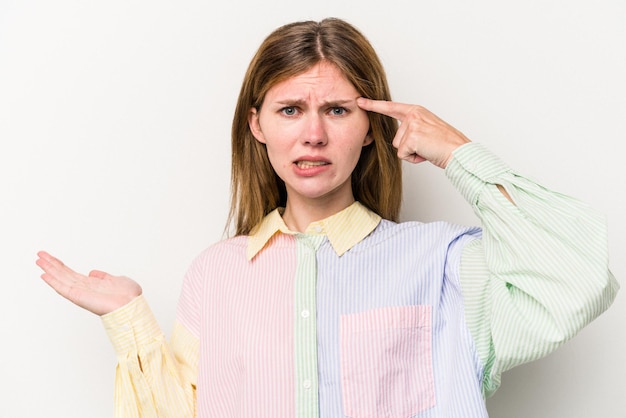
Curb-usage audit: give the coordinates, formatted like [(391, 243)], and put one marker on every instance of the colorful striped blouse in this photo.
[(362, 317)]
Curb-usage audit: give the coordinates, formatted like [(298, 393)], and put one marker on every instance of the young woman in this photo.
[(322, 304)]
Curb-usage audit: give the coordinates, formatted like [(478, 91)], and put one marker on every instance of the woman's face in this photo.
[(314, 132)]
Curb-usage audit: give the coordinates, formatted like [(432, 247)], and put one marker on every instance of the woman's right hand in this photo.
[(422, 135), (98, 292)]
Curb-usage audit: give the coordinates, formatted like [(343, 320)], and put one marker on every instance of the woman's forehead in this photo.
[(321, 80)]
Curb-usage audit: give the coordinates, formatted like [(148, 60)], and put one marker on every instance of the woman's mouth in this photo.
[(310, 164)]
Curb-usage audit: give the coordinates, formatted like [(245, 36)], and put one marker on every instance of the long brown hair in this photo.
[(288, 51)]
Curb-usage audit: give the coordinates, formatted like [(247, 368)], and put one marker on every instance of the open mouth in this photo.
[(310, 164)]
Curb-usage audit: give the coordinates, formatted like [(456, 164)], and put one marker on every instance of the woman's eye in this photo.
[(338, 111), (289, 110)]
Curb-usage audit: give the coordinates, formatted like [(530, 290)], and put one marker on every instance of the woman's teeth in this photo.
[(309, 164)]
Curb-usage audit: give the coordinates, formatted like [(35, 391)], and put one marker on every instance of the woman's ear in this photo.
[(368, 140), (255, 126)]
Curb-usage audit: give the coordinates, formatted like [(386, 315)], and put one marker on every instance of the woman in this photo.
[(321, 304)]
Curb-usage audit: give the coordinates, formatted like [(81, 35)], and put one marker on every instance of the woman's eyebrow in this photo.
[(325, 103), (291, 102), (339, 102)]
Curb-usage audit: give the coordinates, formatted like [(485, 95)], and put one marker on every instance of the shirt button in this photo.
[(306, 384), (305, 313), (317, 229)]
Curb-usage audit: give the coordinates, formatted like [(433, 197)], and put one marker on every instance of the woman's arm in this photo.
[(540, 272), (153, 378)]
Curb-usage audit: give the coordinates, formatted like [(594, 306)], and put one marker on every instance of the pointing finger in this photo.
[(392, 109)]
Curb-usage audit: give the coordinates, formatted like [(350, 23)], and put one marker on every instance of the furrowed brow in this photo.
[(338, 103), (291, 102), (326, 103)]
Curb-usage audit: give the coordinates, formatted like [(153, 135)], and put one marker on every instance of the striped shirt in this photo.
[(363, 317)]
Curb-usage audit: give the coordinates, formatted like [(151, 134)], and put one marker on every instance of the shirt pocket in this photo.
[(386, 362)]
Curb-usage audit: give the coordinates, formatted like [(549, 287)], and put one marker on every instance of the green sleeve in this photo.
[(540, 272)]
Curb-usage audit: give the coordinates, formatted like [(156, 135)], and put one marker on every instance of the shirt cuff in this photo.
[(132, 326), (472, 167)]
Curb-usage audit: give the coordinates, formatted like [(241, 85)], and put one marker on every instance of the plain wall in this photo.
[(114, 154)]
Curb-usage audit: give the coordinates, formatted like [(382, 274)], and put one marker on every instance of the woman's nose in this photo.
[(315, 131)]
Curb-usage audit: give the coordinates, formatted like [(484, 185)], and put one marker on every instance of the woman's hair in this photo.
[(288, 51)]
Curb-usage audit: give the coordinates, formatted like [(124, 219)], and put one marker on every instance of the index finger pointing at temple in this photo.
[(393, 109)]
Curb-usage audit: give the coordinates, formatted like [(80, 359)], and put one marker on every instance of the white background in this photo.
[(114, 154)]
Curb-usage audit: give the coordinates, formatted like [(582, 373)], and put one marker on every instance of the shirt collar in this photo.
[(344, 229)]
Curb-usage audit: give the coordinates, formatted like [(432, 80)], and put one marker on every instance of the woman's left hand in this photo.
[(422, 136)]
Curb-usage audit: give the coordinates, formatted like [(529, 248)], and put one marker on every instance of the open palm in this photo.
[(98, 292)]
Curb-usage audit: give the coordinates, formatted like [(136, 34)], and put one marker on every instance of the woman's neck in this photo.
[(299, 215)]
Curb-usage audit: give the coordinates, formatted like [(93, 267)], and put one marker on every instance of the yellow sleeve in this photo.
[(153, 378)]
